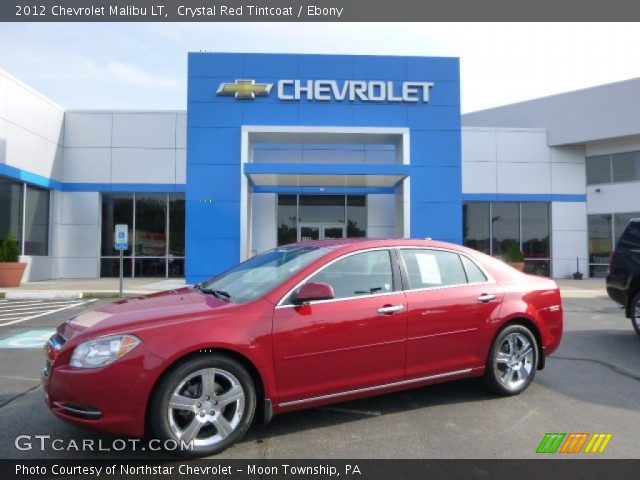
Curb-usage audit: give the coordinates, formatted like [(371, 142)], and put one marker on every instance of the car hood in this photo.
[(140, 312)]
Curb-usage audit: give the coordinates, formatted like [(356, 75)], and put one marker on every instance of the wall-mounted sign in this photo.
[(244, 89), (332, 90)]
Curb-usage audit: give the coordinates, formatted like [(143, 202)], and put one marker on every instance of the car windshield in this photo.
[(260, 274)]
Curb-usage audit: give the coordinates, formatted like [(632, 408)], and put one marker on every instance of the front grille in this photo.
[(47, 368), (51, 349)]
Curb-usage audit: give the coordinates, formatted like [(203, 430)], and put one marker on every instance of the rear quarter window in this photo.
[(474, 274), (631, 236)]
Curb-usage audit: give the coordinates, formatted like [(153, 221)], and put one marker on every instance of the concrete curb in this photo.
[(43, 295)]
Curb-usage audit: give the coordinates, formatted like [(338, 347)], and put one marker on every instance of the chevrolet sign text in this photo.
[(352, 90)]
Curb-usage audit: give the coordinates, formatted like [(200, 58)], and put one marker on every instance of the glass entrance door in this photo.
[(330, 231), (309, 232), (320, 231)]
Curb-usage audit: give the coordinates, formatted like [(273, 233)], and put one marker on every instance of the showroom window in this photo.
[(604, 232), (492, 227), (30, 225), (615, 168), (156, 234)]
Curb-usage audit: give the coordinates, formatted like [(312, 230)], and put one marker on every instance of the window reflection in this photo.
[(287, 219), (476, 226), (356, 216), (305, 217), (321, 208), (117, 208), (156, 234), (618, 167), (492, 227), (600, 244), (11, 210), (505, 226), (176, 225), (36, 222)]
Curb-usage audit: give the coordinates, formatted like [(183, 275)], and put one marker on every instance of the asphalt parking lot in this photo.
[(591, 384)]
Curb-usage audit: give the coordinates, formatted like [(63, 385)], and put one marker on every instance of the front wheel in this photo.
[(207, 403), (635, 313), (512, 361)]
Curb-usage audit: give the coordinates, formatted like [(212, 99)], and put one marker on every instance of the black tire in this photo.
[(635, 317), (496, 372), (159, 415)]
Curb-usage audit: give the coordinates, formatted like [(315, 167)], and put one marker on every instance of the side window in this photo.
[(474, 274), (433, 268), (360, 274), (631, 236)]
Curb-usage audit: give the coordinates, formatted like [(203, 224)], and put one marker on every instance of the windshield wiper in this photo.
[(221, 294)]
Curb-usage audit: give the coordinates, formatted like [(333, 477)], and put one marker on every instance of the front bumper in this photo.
[(111, 399)]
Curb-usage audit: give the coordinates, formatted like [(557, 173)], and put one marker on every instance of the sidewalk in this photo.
[(99, 287), (108, 287), (588, 288)]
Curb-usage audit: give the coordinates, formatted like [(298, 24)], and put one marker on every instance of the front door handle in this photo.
[(390, 309), (486, 297)]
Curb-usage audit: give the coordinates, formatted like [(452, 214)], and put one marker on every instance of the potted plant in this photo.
[(11, 270), (577, 275), (514, 257)]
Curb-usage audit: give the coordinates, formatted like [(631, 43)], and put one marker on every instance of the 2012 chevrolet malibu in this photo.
[(300, 326)]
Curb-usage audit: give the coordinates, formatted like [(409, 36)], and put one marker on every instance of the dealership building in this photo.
[(278, 148)]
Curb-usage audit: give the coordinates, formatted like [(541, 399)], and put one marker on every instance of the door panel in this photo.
[(446, 319), (446, 326), (336, 346), (345, 343)]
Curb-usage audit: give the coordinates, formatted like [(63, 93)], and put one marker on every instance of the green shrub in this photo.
[(514, 254), (9, 250)]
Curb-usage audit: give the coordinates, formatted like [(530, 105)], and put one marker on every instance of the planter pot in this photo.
[(11, 273), (517, 265), (577, 276)]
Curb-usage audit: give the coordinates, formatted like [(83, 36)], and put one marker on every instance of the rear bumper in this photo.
[(551, 324), (617, 290)]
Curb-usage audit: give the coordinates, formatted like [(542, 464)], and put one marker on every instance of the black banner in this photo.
[(325, 469), (315, 10)]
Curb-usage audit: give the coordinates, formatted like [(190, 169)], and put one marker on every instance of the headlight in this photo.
[(102, 351)]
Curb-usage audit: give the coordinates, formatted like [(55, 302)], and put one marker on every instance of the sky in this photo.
[(144, 65)]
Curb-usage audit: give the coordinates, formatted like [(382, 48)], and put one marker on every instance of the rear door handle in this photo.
[(486, 297), (390, 309)]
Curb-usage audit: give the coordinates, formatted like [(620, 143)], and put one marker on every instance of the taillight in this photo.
[(611, 260)]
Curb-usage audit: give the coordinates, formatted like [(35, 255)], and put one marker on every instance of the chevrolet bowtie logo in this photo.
[(244, 89)]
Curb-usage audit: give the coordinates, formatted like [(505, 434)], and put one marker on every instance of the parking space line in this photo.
[(48, 312), (36, 302), (11, 310)]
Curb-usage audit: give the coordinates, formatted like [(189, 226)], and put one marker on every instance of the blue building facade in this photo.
[(236, 101)]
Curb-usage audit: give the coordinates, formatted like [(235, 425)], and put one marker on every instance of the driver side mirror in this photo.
[(314, 291)]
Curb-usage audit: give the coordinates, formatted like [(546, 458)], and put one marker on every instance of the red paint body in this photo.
[(300, 353)]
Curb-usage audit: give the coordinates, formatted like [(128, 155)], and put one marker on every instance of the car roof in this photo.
[(343, 243)]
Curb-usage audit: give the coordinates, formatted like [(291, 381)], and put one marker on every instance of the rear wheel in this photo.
[(512, 361), (208, 402), (635, 313)]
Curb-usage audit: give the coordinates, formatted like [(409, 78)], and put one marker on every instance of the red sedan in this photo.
[(296, 327)]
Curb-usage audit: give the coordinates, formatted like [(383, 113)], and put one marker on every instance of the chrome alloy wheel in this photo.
[(206, 407), (514, 360)]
